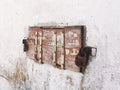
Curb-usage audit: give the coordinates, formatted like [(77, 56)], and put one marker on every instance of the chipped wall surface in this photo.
[(102, 18)]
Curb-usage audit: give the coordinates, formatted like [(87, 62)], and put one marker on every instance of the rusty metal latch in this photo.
[(83, 57), (26, 46)]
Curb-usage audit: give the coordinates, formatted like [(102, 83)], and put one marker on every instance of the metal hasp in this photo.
[(83, 57), (57, 46)]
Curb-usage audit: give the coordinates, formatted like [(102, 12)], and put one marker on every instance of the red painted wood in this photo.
[(56, 46)]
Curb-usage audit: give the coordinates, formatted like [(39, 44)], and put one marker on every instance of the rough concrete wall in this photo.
[(101, 17)]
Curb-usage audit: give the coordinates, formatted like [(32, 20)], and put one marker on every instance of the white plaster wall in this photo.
[(4, 84), (101, 17)]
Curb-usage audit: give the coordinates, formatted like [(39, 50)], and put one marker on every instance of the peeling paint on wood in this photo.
[(57, 46)]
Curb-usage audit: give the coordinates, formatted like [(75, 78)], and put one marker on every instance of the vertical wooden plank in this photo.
[(60, 48), (49, 43), (34, 38), (39, 46), (72, 46), (32, 43)]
